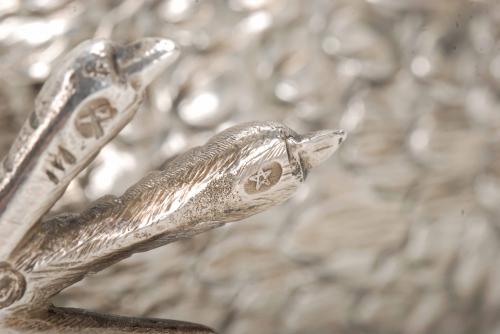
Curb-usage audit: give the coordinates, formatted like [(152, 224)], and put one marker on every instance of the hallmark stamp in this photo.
[(99, 68), (92, 118), (265, 177), (58, 161)]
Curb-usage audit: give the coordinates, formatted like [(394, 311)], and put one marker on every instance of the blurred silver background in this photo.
[(399, 233)]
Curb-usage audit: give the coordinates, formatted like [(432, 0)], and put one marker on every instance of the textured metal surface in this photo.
[(95, 91), (398, 234), (238, 173)]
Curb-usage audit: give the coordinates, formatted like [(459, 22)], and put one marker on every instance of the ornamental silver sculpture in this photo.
[(84, 104)]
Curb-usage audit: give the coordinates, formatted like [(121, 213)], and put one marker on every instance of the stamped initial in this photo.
[(264, 178), (58, 161), (91, 120)]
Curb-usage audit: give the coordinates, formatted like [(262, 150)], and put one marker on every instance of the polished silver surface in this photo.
[(241, 171), (399, 233), (94, 92)]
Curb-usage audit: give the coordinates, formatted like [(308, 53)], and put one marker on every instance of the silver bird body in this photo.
[(242, 171)]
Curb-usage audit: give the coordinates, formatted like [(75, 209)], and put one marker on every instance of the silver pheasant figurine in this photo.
[(96, 91)]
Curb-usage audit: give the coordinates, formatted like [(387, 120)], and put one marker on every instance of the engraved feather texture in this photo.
[(194, 192), (56, 320), (240, 172)]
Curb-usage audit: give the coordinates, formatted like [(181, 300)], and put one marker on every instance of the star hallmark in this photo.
[(261, 178)]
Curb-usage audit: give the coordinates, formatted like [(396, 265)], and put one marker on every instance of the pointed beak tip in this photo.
[(318, 146), (160, 54), (330, 138), (148, 58), (164, 49), (341, 136)]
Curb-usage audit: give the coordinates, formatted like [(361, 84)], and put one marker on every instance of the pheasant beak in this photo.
[(142, 61), (315, 147)]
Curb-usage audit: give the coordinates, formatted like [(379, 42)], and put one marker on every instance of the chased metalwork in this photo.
[(242, 171)]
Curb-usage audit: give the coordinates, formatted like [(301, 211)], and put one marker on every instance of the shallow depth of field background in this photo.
[(398, 233)]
